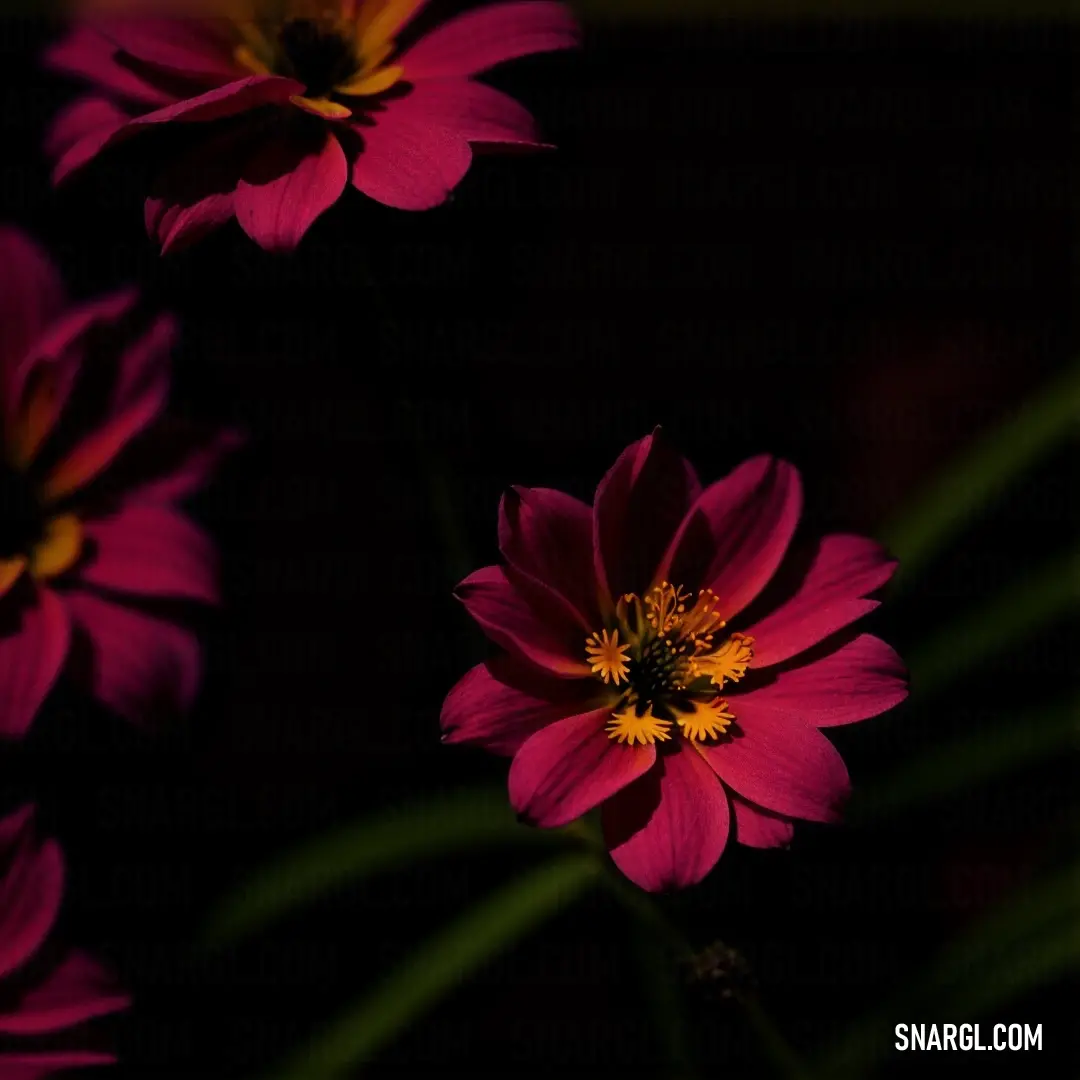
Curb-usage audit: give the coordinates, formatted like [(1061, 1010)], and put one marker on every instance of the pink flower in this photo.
[(648, 671), (288, 102), (45, 989), (97, 563)]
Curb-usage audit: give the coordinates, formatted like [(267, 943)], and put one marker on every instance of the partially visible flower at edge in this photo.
[(293, 106), (98, 564), (47, 991), (622, 684)]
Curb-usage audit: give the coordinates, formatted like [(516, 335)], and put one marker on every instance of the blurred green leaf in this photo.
[(971, 760), (1029, 940), (1035, 600), (991, 465), (668, 11), (440, 965), (393, 840)]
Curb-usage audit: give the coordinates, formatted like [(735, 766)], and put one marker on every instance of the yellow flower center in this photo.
[(668, 655), (59, 548), (336, 48), (31, 539)]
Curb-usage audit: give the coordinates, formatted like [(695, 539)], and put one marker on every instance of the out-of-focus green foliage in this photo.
[(1029, 940), (1038, 598), (959, 493), (680, 10), (971, 760), (393, 840), (440, 965)]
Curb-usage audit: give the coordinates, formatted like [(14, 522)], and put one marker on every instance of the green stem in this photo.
[(660, 984), (779, 1050)]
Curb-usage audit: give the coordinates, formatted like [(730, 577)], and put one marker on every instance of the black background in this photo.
[(847, 245)]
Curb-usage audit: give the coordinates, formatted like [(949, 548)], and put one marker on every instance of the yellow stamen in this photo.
[(10, 570), (607, 657), (378, 23), (628, 727), (375, 83), (672, 649), (729, 662), (59, 549), (247, 58), (706, 720), (373, 58), (331, 110), (664, 606)]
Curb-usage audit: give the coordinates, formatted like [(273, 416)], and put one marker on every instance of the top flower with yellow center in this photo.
[(655, 669), (338, 51), (293, 100)]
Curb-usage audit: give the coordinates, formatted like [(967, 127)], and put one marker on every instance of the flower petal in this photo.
[(546, 537), (173, 462), (142, 667), (286, 186), (843, 570), (31, 296), (409, 161), (39, 388), (758, 828), (86, 54), (176, 226), (186, 46), (138, 397), (480, 39), (668, 829), (478, 113), (737, 533), (77, 990), (491, 707), (30, 892), (34, 643), (637, 508), (180, 465), (195, 193), (31, 1066), (238, 96), (80, 132), (152, 551), (861, 679), (780, 763), (571, 766), (112, 126), (510, 622)]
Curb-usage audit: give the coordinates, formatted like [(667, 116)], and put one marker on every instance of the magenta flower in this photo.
[(648, 671), (97, 562), (46, 990), (284, 104)]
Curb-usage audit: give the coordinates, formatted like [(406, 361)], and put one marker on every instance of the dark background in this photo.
[(847, 245)]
